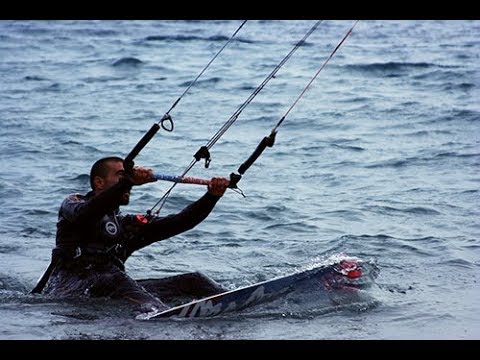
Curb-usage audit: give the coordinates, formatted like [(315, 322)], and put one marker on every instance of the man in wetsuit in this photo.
[(94, 240)]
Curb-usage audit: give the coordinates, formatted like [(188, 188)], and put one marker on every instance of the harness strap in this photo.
[(56, 260)]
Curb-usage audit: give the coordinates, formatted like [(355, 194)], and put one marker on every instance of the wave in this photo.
[(225, 38), (34, 78), (473, 191), (81, 178), (7, 249), (420, 160), (440, 74), (11, 284), (55, 87), (33, 28), (127, 62), (37, 212), (429, 133), (387, 238), (392, 247), (263, 215), (212, 80), (246, 87), (97, 32), (173, 38), (397, 69), (177, 38), (101, 79), (30, 231), (298, 227), (457, 262), (458, 114), (461, 86), (418, 210), (349, 147), (454, 154), (389, 66)]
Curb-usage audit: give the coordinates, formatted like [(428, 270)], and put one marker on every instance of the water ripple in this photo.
[(127, 62)]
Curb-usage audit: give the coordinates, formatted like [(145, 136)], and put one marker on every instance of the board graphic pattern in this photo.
[(247, 296)]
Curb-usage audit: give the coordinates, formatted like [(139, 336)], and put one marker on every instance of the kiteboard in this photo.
[(241, 298)]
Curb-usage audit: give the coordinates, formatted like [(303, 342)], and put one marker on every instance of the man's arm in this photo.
[(164, 228)]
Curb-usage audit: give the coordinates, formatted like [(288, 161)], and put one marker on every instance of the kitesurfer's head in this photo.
[(107, 172)]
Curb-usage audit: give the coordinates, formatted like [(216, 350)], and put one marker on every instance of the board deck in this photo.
[(241, 298)]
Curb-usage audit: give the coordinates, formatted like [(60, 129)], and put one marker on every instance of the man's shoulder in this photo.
[(71, 204), (74, 198)]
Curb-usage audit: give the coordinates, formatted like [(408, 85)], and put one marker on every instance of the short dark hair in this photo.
[(100, 167)]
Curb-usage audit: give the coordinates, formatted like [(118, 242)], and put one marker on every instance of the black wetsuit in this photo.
[(94, 240)]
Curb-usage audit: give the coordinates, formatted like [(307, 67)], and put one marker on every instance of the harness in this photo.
[(106, 247)]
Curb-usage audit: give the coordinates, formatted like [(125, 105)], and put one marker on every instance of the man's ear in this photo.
[(98, 182)]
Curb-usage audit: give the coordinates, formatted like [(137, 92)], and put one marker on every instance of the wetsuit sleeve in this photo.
[(83, 212), (166, 227)]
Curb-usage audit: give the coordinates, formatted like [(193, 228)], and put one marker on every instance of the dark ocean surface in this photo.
[(379, 160)]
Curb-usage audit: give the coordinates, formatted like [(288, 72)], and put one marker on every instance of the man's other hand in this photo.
[(218, 186)]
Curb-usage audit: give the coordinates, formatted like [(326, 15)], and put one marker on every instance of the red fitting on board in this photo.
[(353, 274), (350, 269), (142, 219)]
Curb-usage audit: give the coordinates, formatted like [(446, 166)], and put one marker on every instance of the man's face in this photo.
[(114, 173)]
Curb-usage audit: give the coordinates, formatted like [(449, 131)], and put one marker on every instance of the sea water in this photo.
[(379, 160)]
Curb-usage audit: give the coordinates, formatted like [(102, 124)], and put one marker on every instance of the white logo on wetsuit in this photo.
[(111, 228)]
